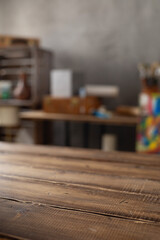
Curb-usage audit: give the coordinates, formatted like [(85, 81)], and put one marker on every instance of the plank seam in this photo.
[(141, 220)]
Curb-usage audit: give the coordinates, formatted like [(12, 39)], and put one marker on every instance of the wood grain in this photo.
[(65, 193), (53, 163), (108, 202), (81, 154), (35, 221)]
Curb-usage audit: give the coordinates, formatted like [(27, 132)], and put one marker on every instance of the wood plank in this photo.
[(17, 62), (121, 183), (49, 164), (35, 221), (81, 154), (17, 71), (4, 236), (80, 176), (115, 120), (55, 172), (16, 102), (83, 198)]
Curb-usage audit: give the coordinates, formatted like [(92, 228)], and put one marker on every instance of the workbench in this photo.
[(65, 193), (40, 118)]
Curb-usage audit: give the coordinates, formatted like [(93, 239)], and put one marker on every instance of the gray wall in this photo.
[(104, 38), (1, 17)]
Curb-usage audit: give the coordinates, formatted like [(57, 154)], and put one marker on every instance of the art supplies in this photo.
[(148, 131)]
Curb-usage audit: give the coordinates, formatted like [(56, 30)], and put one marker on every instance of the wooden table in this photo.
[(65, 193), (39, 117)]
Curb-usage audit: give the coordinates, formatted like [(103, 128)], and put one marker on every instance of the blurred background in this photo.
[(102, 40)]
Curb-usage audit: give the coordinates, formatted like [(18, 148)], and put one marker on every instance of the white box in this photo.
[(65, 83), (102, 90)]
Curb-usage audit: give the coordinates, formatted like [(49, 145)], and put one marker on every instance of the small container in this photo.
[(22, 90), (109, 142), (5, 89), (9, 116), (149, 75)]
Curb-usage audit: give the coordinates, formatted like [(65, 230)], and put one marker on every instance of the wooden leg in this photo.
[(43, 131), (1, 134), (126, 139), (85, 135), (47, 132), (67, 134), (38, 132), (102, 131)]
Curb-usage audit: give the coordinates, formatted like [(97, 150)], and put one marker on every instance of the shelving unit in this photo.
[(35, 62), (16, 102)]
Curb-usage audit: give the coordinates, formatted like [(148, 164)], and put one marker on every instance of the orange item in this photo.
[(74, 105)]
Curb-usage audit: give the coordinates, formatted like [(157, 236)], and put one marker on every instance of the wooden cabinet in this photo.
[(35, 62)]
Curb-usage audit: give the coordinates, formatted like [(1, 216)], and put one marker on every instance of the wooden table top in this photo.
[(65, 193), (115, 120)]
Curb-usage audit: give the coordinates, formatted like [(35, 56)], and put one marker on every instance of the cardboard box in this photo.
[(74, 105)]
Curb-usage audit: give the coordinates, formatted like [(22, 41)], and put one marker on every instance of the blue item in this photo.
[(157, 106)]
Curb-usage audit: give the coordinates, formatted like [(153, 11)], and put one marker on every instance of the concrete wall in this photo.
[(104, 38), (1, 17)]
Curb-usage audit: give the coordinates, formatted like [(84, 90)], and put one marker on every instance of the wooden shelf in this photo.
[(18, 47), (33, 61), (15, 71), (17, 62), (16, 102), (114, 120)]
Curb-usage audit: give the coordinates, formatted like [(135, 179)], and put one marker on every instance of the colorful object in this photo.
[(148, 138), (149, 104), (156, 104)]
